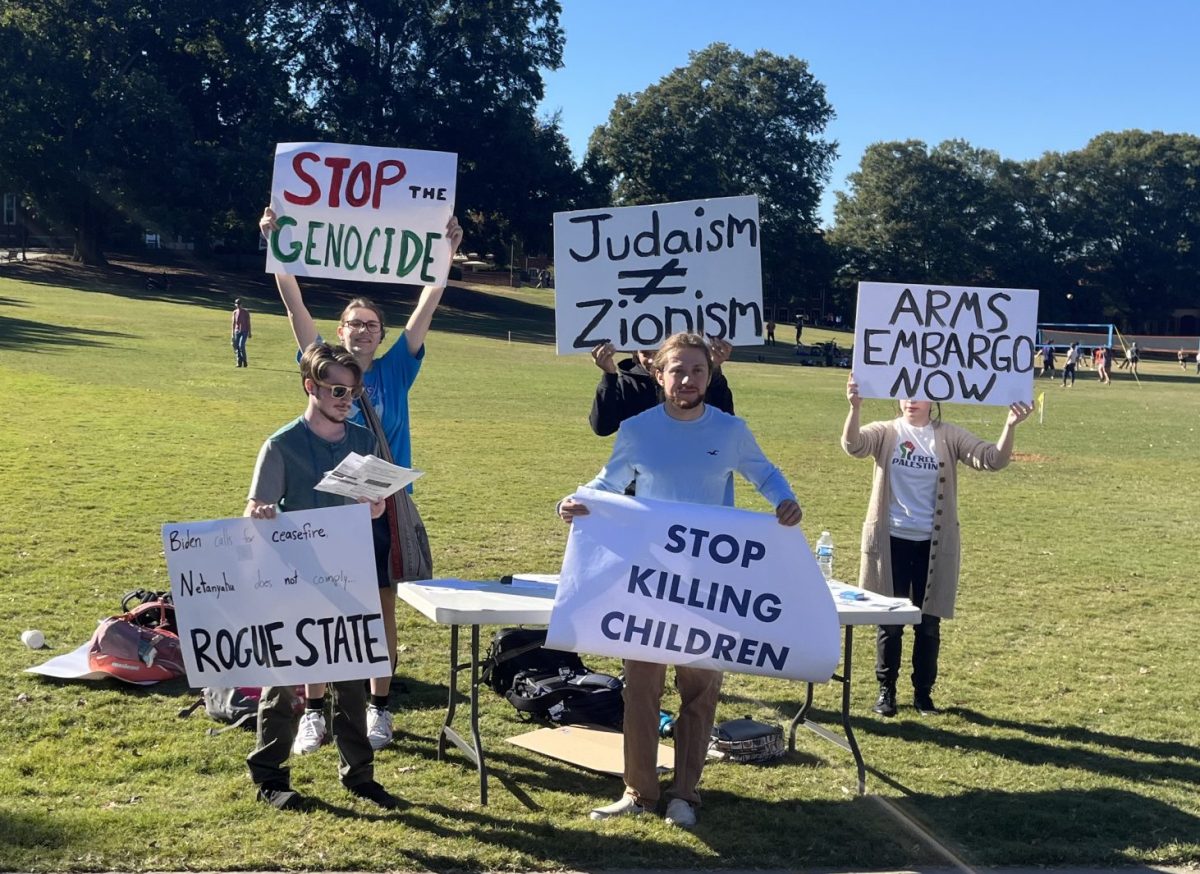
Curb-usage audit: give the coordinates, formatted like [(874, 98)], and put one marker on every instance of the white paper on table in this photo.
[(367, 476)]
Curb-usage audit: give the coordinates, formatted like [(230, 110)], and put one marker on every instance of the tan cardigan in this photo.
[(952, 444)]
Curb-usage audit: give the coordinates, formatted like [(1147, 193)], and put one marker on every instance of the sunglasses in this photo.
[(340, 391)]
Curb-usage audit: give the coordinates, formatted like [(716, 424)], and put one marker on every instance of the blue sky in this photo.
[(1018, 77)]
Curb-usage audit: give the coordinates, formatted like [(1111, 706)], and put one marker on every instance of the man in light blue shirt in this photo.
[(680, 450)]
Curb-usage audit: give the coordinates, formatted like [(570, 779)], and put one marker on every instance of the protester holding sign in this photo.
[(629, 387), (290, 464), (910, 539), (387, 379), (680, 450)]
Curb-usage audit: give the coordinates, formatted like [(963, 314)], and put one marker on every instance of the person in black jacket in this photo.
[(628, 387)]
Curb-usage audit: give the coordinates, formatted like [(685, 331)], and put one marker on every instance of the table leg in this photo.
[(453, 686), (473, 750), (850, 743)]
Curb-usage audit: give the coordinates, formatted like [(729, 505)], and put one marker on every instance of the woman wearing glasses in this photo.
[(387, 378)]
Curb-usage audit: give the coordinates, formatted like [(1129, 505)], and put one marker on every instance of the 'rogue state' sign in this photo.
[(635, 275), (360, 212), (945, 343), (277, 602)]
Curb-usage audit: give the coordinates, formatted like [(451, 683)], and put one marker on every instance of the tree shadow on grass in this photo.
[(1090, 751), (19, 334), (1077, 827)]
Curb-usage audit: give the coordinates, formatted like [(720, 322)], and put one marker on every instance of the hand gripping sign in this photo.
[(693, 584), (359, 212)]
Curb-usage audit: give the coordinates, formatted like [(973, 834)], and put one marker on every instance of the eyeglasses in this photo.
[(359, 325), (340, 391)]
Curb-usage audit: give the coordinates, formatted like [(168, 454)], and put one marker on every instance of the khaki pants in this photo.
[(699, 691)]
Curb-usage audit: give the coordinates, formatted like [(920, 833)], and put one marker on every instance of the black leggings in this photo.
[(910, 570)]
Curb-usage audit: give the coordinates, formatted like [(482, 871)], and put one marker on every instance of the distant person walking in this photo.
[(1069, 366), (239, 332), (1134, 357), (1048, 361), (1182, 360), (771, 332), (1100, 357), (799, 328)]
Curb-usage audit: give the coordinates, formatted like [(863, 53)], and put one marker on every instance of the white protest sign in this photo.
[(635, 275), (945, 343), (277, 602), (361, 212), (692, 584)]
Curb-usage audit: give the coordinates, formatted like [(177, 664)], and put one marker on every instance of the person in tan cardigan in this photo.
[(910, 540)]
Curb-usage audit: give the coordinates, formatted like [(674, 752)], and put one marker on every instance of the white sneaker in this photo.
[(681, 813), (311, 733), (379, 726), (627, 805)]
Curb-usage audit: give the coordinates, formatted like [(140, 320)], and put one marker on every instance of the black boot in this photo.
[(885, 704), (923, 701)]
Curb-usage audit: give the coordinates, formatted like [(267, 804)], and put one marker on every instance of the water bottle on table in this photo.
[(825, 554)]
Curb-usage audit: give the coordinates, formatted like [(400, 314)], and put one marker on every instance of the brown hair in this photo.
[(682, 340), (366, 303), (319, 357)]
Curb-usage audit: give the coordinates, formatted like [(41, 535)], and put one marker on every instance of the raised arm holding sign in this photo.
[(910, 539), (387, 375)]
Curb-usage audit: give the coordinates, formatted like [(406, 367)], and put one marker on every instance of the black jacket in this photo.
[(631, 390)]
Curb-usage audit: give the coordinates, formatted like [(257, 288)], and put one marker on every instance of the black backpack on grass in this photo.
[(549, 685)]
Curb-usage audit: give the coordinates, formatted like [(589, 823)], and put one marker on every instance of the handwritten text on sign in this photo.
[(277, 602), (692, 584), (945, 343), (359, 212), (634, 276)]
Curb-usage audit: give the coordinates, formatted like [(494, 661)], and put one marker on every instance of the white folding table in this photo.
[(528, 599), (524, 601)]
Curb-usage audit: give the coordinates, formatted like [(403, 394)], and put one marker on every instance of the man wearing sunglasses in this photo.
[(387, 378), (290, 464)]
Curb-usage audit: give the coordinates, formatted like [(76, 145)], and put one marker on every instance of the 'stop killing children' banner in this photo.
[(635, 275), (945, 343), (360, 212), (692, 584)]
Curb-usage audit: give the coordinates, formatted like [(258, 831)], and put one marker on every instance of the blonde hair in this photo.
[(682, 340)]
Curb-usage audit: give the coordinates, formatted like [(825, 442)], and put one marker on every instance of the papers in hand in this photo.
[(366, 476)]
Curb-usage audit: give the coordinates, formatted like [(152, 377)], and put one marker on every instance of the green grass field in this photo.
[(1069, 676)]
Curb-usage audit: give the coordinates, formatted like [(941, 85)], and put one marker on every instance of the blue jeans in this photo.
[(239, 347)]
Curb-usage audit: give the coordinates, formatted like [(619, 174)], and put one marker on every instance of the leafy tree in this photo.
[(726, 124), (140, 110), (949, 215), (1125, 214), (455, 75)]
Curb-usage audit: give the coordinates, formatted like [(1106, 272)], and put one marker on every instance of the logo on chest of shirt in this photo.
[(909, 457)]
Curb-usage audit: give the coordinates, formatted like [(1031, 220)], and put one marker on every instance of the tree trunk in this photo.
[(88, 246)]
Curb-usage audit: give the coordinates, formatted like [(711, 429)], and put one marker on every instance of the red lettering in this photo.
[(339, 166), (314, 189), (360, 175), (383, 179)]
